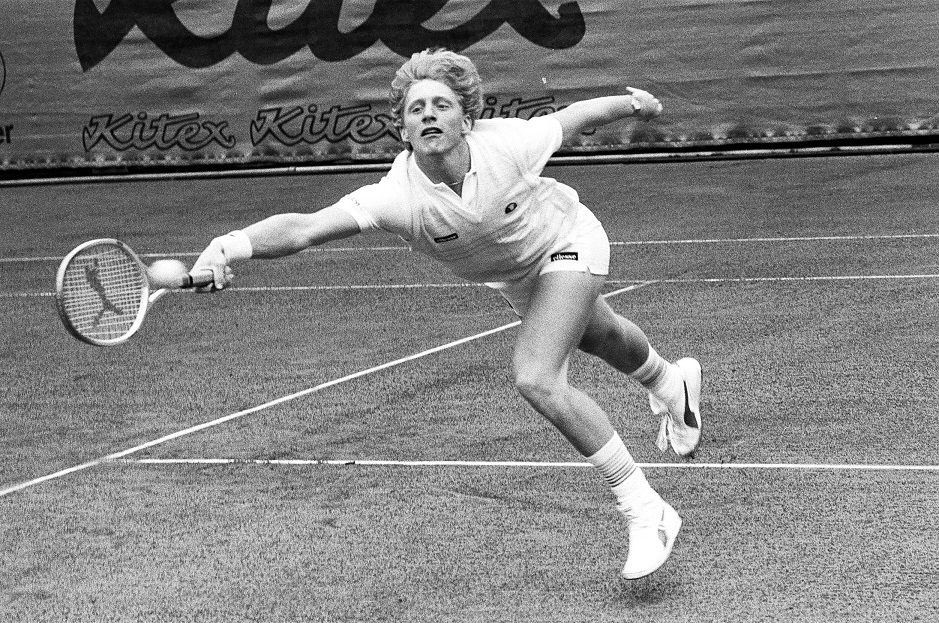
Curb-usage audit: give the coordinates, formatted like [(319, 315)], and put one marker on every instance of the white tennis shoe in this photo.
[(681, 429), (652, 532)]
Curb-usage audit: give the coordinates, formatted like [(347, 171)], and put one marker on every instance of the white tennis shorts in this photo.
[(585, 249)]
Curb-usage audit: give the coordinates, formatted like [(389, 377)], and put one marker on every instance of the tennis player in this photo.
[(469, 193)]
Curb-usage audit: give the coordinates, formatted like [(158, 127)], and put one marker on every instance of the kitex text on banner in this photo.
[(98, 83)]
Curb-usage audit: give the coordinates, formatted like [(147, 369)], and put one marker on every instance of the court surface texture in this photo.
[(337, 437)]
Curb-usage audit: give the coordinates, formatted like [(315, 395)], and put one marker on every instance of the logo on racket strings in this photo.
[(92, 276)]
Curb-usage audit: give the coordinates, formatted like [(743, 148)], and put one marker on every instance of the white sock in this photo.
[(621, 473), (663, 380)]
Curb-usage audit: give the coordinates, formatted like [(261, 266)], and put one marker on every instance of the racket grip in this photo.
[(198, 279)]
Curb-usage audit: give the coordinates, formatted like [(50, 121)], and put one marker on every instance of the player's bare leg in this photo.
[(561, 308), (674, 388), (558, 314)]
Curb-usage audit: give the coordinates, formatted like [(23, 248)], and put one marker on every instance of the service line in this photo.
[(883, 467)]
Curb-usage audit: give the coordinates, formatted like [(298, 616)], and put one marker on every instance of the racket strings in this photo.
[(102, 292)]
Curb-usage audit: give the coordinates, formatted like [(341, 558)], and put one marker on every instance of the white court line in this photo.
[(58, 258), (350, 287), (418, 286), (778, 239), (50, 258), (790, 279), (272, 403), (408, 286), (376, 286), (545, 464)]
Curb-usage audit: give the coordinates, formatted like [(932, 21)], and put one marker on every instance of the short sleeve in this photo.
[(535, 140), (378, 206)]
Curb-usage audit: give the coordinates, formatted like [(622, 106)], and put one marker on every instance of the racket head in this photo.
[(101, 292)]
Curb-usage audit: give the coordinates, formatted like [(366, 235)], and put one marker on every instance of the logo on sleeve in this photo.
[(564, 255), (442, 239)]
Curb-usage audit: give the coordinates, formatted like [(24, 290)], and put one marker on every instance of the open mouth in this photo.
[(431, 131)]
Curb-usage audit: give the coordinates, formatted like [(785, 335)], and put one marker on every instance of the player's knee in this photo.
[(536, 384)]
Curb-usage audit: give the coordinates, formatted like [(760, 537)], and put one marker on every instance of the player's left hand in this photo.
[(648, 105)]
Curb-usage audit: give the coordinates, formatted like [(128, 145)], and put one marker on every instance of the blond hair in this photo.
[(452, 69)]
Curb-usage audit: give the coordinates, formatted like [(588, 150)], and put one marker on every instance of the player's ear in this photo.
[(404, 134), (467, 124), (404, 138)]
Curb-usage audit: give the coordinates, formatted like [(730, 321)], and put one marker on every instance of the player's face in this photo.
[(434, 122)]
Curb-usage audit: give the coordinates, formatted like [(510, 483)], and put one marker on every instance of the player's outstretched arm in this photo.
[(588, 114), (286, 234), (275, 236)]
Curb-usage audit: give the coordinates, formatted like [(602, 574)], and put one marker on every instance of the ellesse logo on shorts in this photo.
[(452, 236), (564, 255)]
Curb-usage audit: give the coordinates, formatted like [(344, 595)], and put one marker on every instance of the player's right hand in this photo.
[(213, 259), (649, 105)]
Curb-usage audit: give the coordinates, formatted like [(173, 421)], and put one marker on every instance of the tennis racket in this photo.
[(102, 292)]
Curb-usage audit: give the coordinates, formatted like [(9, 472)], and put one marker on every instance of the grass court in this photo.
[(337, 438)]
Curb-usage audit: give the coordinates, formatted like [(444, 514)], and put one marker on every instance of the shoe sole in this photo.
[(671, 524)]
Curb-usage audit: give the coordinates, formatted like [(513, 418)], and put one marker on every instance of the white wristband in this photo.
[(235, 245)]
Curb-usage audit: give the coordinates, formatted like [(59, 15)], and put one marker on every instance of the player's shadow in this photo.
[(650, 590)]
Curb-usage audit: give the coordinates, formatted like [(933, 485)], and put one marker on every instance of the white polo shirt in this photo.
[(508, 218)]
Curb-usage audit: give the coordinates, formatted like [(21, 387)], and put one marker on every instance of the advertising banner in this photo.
[(151, 83)]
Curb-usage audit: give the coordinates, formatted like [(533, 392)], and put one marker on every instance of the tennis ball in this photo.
[(166, 274)]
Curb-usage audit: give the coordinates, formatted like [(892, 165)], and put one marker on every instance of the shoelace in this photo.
[(640, 516), (640, 524), (664, 429)]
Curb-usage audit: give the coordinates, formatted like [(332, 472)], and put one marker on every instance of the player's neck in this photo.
[(447, 167)]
